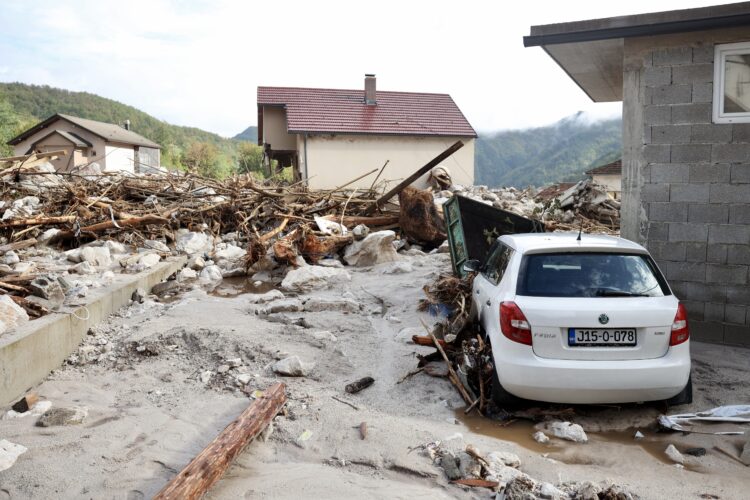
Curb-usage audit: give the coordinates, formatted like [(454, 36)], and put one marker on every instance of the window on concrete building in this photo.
[(732, 83)]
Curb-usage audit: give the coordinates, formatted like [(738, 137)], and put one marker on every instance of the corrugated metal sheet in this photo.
[(345, 111)]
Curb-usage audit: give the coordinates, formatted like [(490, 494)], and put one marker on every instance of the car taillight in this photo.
[(680, 331), (514, 324)]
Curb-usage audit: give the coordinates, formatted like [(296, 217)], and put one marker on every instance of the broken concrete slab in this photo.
[(317, 304), (9, 453)]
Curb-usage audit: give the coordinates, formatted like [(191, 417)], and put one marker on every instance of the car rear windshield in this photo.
[(590, 275)]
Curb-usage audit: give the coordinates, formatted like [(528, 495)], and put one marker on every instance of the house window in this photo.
[(732, 83)]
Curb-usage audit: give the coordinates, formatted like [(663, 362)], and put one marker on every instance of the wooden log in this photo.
[(358, 385), (355, 220), (110, 224), (211, 463), (416, 175), (452, 376), (477, 483), (427, 341), (18, 245), (14, 288), (25, 403), (33, 221)]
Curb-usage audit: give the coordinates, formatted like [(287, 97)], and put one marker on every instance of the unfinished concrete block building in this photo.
[(684, 80)]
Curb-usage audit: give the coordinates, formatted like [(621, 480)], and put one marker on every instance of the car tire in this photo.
[(501, 398), (685, 396)]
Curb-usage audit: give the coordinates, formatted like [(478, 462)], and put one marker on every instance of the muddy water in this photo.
[(232, 287), (521, 431)]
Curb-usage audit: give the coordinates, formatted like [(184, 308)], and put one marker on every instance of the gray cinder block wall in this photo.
[(686, 180)]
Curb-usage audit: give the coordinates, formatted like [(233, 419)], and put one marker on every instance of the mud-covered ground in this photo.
[(152, 406)]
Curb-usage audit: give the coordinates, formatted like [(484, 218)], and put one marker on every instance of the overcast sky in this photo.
[(198, 62)]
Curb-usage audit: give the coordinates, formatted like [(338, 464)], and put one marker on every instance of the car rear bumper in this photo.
[(528, 376)]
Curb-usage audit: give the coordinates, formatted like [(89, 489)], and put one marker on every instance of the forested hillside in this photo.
[(189, 148), (250, 134), (539, 156)]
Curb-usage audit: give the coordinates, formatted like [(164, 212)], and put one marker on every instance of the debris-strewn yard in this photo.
[(334, 293), (161, 379)]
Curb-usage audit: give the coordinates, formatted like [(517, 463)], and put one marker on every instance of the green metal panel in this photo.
[(456, 239)]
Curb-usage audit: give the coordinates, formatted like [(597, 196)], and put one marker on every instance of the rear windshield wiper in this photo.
[(618, 293)]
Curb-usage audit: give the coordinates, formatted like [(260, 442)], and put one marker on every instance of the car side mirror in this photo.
[(471, 266)]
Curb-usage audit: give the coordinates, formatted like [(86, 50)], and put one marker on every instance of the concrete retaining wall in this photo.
[(30, 353)]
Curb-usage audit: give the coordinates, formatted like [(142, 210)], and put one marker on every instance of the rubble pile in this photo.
[(584, 205)]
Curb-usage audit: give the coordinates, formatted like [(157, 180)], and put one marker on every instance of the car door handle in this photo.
[(489, 303)]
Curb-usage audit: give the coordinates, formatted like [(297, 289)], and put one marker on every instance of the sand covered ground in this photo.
[(160, 380)]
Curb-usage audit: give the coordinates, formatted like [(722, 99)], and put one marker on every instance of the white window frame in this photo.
[(720, 58)]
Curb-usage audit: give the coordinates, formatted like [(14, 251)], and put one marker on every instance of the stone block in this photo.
[(731, 234), (657, 115), (693, 73), (737, 335), (703, 54), (741, 132), (671, 134), (657, 231), (696, 193), (737, 294), (695, 252), (706, 331), (713, 311), (729, 193), (709, 173), (654, 192), (734, 313), (695, 309), (740, 174), (738, 254), (703, 92), (688, 232), (669, 172), (691, 113), (667, 212), (739, 214), (657, 76), (673, 56), (667, 251), (704, 292), (669, 94), (710, 133), (656, 153), (717, 254), (686, 271), (709, 213), (691, 153), (724, 273), (730, 153)]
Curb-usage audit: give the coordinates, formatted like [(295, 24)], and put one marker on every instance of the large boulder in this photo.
[(376, 248), (192, 243), (304, 279), (11, 314)]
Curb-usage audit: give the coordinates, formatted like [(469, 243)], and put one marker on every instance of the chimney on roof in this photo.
[(370, 99), (126, 125)]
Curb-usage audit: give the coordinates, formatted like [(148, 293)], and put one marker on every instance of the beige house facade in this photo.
[(331, 136), (610, 177), (112, 147)]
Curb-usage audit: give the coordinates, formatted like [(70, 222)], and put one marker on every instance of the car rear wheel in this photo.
[(500, 397), (684, 397)]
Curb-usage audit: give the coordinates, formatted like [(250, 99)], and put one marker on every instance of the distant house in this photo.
[(331, 136), (112, 147), (683, 77), (554, 190), (609, 176)]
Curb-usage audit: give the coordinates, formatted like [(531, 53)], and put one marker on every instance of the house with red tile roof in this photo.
[(331, 136), (609, 176)]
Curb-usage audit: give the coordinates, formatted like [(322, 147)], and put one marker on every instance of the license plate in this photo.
[(601, 337)]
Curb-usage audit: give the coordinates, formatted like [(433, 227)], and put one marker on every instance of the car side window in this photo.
[(497, 263)]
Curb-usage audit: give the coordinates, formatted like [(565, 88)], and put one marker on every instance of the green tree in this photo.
[(249, 158), (202, 158)]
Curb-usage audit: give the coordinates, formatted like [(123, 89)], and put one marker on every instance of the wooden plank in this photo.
[(33, 221), (18, 245), (211, 463), (416, 175)]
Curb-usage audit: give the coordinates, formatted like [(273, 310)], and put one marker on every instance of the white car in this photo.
[(587, 321)]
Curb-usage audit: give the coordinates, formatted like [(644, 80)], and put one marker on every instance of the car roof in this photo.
[(542, 242)]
